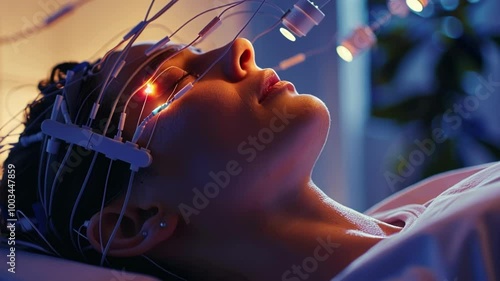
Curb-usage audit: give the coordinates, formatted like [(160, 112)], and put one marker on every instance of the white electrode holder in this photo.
[(111, 148)]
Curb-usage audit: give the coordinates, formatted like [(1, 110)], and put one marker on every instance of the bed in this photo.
[(456, 238)]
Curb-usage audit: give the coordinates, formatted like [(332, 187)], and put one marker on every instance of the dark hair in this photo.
[(31, 166)]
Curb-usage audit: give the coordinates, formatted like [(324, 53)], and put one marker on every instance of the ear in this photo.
[(139, 231)]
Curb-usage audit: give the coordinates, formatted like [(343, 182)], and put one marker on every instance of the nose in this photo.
[(239, 61)]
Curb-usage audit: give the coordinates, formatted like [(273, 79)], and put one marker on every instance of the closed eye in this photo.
[(184, 77)]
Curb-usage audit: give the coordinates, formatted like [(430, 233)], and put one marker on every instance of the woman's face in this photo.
[(236, 140)]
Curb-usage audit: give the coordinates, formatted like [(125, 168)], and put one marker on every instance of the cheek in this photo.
[(207, 124), (308, 129), (220, 125), (201, 137)]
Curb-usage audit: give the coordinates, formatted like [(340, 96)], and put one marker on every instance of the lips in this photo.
[(270, 79)]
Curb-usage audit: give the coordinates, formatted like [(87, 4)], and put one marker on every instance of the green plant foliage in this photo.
[(454, 54)]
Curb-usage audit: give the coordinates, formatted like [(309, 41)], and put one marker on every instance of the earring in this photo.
[(163, 224)]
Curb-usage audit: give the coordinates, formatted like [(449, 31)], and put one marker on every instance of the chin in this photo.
[(309, 129), (320, 119), (314, 111)]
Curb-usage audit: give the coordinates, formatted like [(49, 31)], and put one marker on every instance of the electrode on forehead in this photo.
[(157, 46), (210, 27), (303, 17)]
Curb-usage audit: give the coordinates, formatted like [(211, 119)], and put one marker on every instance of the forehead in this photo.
[(183, 55)]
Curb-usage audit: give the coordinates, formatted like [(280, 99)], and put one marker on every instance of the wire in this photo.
[(30, 245), (85, 100), (153, 77), (80, 194), (12, 91), (268, 3), (231, 7), (324, 4), (91, 166), (9, 134), (266, 31), (163, 269), (78, 242), (229, 45), (32, 123), (41, 115), (105, 85), (324, 48), (204, 12), (155, 74), (163, 10), (19, 212), (116, 36), (248, 12), (149, 10), (146, 120), (156, 120), (50, 20), (120, 217), (21, 111), (106, 249), (108, 77), (125, 51), (80, 235), (40, 169), (272, 5), (103, 59), (5, 150), (103, 201), (153, 81), (45, 198), (56, 178), (142, 109)]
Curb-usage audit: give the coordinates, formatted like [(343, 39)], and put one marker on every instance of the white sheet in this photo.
[(456, 238)]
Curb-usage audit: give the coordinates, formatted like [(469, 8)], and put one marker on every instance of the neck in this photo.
[(308, 236)]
